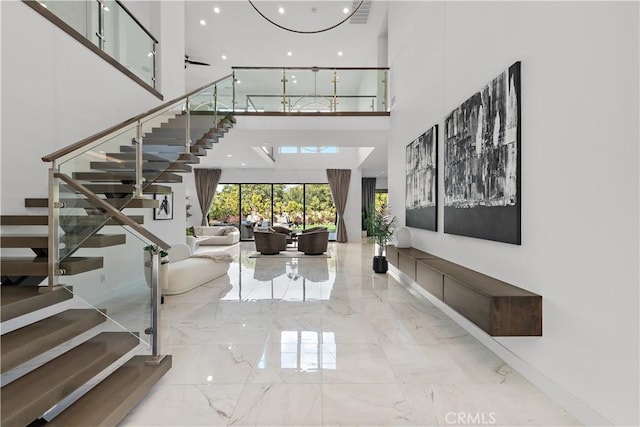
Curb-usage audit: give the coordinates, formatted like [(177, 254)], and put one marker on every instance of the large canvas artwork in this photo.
[(421, 207), (482, 162)]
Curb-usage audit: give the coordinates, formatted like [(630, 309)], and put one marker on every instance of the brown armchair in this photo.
[(269, 243), (313, 242)]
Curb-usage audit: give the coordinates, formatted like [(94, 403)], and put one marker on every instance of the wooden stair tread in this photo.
[(38, 266), (196, 150), (120, 203), (205, 142), (19, 300), (84, 220), (146, 166), (182, 157), (124, 189), (111, 400), (165, 177), (28, 397), (29, 341), (41, 241)]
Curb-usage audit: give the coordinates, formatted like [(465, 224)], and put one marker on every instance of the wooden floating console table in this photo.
[(500, 309)]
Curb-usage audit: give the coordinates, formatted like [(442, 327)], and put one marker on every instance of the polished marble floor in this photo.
[(325, 341)]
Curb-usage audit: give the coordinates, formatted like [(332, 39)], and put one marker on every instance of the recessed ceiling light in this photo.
[(216, 9), (243, 164), (229, 155), (203, 22), (224, 56), (340, 53), (281, 10), (238, 81), (289, 53), (293, 77), (295, 81), (345, 10)]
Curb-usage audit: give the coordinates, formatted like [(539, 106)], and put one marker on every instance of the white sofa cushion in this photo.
[(185, 273)]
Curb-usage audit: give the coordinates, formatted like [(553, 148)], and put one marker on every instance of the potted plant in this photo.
[(380, 227), (150, 250)]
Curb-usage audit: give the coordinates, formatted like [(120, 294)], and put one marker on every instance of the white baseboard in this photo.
[(584, 413)]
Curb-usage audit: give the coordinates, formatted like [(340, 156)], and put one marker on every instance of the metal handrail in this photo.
[(142, 27), (123, 219), (86, 141)]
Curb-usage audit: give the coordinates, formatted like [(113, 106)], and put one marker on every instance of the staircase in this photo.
[(55, 354)]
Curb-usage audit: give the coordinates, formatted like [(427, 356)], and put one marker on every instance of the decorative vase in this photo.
[(164, 271), (380, 264), (403, 237)]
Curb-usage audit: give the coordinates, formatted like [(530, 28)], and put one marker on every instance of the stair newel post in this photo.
[(54, 222), (335, 91), (156, 295), (138, 143), (215, 105), (187, 129), (284, 90), (233, 91)]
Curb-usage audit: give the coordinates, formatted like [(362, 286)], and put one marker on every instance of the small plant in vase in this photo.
[(381, 228), (149, 251)]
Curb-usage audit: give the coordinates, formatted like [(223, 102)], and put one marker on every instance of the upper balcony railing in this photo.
[(109, 29), (303, 90)]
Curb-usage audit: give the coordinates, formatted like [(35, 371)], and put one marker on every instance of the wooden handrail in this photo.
[(100, 203), (84, 142)]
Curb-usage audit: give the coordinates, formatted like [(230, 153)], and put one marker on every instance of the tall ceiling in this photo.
[(245, 38)]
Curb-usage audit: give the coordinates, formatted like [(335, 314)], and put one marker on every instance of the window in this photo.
[(309, 150)]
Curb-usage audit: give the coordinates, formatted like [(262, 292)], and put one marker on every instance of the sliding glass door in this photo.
[(288, 205), (319, 208), (253, 206)]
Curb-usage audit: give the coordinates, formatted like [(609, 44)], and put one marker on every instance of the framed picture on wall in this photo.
[(421, 195), (165, 210), (482, 162)]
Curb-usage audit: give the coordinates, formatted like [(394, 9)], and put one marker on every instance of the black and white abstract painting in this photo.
[(482, 162), (422, 181)]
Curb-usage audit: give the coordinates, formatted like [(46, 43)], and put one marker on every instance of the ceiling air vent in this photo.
[(362, 14)]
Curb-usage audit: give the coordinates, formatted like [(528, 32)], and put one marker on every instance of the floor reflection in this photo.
[(288, 279), (302, 351)]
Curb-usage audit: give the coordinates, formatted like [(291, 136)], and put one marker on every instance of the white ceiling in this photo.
[(247, 39)]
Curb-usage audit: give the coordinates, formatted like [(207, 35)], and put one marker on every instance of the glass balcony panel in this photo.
[(225, 97), (203, 101), (260, 90), (311, 90), (127, 42), (82, 16)]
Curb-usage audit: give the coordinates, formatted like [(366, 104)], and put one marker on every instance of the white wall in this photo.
[(579, 175), (56, 92)]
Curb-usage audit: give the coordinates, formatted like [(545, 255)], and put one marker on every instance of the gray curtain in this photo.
[(206, 184), (339, 185), (368, 199)]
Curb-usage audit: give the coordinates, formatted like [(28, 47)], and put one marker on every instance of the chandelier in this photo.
[(300, 31)]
